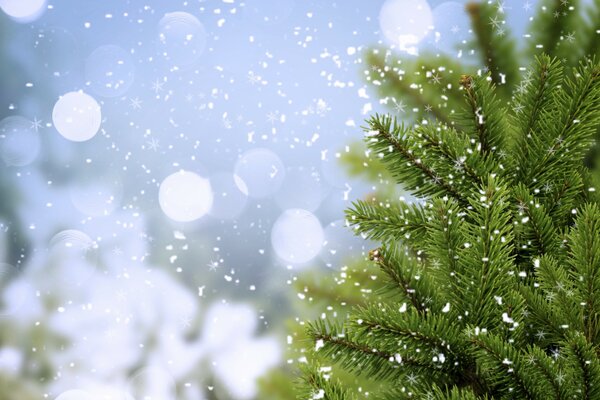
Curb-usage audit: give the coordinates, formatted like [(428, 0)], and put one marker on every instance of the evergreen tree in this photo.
[(421, 88), (498, 267)]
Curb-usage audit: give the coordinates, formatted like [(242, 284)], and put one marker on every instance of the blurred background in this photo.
[(169, 168)]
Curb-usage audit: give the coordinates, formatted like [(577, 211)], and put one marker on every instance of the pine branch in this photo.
[(396, 148), (584, 249), (485, 117), (317, 383), (582, 357), (497, 47), (449, 151), (507, 371), (486, 259), (536, 234), (387, 221), (342, 346), (407, 277), (438, 393), (558, 288), (570, 132), (534, 100), (416, 84), (432, 339)]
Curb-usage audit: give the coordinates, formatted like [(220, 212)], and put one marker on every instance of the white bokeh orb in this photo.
[(262, 172), (19, 142), (404, 23), (297, 236), (109, 71), (185, 196), (230, 195), (77, 116), (181, 38), (72, 260), (451, 27), (23, 10)]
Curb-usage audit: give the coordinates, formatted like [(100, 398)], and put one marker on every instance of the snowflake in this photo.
[(157, 86), (36, 124), (153, 144), (412, 378), (570, 37), (399, 106), (213, 265), (540, 335), (135, 103), (253, 78), (272, 117)]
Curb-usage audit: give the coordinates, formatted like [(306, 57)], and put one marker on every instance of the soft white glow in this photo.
[(23, 10), (181, 38), (75, 395), (109, 71), (19, 142), (77, 116), (237, 357), (185, 196), (246, 361), (297, 236), (152, 383), (404, 23), (262, 171)]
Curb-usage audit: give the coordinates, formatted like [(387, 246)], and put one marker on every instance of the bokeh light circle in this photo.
[(185, 196), (297, 236), (72, 259), (181, 38), (109, 71), (451, 26), (230, 195), (77, 116), (23, 10), (262, 171), (19, 142), (405, 23)]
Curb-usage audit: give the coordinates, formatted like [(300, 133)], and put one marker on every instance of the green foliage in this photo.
[(491, 281)]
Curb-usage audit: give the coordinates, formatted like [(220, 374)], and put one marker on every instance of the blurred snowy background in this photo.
[(166, 168)]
